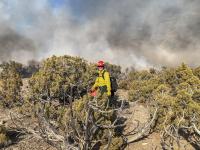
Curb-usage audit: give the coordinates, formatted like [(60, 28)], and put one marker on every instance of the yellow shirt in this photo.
[(100, 81)]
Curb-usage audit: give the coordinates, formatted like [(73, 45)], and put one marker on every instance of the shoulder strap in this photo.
[(103, 74)]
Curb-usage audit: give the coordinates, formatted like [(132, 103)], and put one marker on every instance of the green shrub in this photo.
[(58, 75), (176, 92), (10, 83)]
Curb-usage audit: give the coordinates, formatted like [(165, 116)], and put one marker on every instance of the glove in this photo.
[(109, 93)]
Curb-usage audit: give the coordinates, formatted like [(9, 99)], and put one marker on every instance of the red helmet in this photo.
[(100, 63)]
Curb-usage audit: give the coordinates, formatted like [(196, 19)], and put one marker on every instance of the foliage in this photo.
[(101, 116), (58, 75), (176, 92), (4, 139), (89, 116), (142, 85), (10, 83), (67, 79)]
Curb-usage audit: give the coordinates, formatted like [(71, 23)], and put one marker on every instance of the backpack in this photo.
[(113, 82)]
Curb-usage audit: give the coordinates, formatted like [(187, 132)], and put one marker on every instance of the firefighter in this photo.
[(102, 82)]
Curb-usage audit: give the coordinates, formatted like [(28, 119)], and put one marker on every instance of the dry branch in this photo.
[(145, 130)]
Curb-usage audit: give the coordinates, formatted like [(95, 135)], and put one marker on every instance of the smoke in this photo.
[(139, 33), (16, 41), (159, 32), (12, 44)]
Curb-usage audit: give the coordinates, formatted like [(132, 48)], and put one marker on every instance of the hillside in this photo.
[(136, 112), (52, 108)]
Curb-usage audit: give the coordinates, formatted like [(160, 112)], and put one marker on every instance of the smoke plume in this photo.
[(139, 33), (12, 44)]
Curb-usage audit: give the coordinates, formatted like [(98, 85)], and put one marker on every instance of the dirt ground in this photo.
[(20, 141), (31, 143)]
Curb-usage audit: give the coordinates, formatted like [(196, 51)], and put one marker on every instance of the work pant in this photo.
[(112, 102)]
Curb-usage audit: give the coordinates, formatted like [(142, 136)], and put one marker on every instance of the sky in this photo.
[(57, 3), (137, 33)]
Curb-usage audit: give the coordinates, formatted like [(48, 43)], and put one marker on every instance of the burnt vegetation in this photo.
[(62, 113)]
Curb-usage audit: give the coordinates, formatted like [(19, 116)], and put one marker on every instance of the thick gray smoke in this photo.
[(14, 45), (159, 32), (138, 33)]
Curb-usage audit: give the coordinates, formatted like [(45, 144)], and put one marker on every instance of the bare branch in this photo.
[(196, 129), (109, 141)]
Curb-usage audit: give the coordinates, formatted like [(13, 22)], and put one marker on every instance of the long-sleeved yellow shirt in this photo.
[(100, 81)]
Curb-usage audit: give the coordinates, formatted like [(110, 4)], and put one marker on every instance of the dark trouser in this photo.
[(112, 100), (103, 89)]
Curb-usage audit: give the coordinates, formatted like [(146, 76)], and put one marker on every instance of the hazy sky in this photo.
[(137, 33)]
